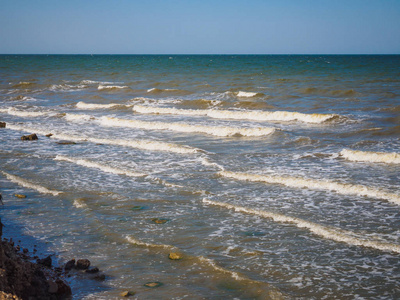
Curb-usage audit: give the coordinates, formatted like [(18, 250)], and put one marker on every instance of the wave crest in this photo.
[(255, 115), (368, 156)]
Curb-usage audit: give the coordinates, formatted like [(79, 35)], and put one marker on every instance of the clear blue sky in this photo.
[(200, 26)]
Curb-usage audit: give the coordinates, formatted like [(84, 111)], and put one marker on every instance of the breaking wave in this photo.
[(182, 127), (340, 188), (255, 115), (248, 94), (168, 91), (83, 105), (138, 144), (27, 184), (367, 156), (23, 113), (111, 87), (335, 234)]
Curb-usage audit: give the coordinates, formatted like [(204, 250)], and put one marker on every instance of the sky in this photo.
[(199, 27)]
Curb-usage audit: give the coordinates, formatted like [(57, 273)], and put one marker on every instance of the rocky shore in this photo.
[(25, 277)]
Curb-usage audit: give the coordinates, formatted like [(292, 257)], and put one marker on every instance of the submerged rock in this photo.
[(175, 256), (30, 137), (20, 196), (82, 264), (159, 221), (66, 143), (153, 284), (93, 270), (49, 135), (2, 124)]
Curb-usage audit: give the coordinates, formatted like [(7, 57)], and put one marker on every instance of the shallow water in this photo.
[(278, 175)]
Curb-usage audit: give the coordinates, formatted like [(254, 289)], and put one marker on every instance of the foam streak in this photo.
[(335, 234), (372, 157), (27, 184), (340, 188)]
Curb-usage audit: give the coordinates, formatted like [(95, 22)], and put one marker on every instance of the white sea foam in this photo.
[(78, 117), (374, 157), (182, 127), (79, 204), (340, 188), (27, 184), (134, 241), (138, 144), (83, 105), (208, 163), (105, 168), (155, 90), (331, 233), (23, 113), (246, 94), (211, 263), (255, 115), (111, 87)]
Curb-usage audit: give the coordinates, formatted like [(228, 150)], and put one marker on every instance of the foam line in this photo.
[(138, 144), (25, 183), (335, 234), (340, 188), (83, 105), (255, 115), (105, 168), (181, 127)]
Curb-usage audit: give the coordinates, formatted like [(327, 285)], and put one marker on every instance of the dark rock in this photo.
[(100, 277), (25, 250), (45, 261), (2, 124), (69, 265), (63, 288), (30, 137), (93, 270), (82, 264), (49, 135), (53, 287)]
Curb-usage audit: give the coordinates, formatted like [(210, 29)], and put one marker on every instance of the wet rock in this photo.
[(30, 137), (2, 124), (153, 284), (92, 270), (53, 287), (45, 261), (69, 265), (127, 294), (19, 196), (82, 264), (49, 135), (159, 221), (25, 250), (63, 288), (175, 256)]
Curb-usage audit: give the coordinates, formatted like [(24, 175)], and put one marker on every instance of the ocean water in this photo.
[(277, 176)]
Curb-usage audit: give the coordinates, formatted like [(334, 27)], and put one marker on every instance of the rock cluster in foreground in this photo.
[(22, 279)]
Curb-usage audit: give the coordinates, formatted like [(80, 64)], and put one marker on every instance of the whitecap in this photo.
[(369, 156)]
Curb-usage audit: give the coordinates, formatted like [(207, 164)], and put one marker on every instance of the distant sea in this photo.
[(271, 176)]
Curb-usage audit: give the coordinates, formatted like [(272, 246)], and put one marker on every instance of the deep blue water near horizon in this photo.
[(277, 176)]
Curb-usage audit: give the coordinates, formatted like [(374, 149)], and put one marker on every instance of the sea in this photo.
[(269, 176)]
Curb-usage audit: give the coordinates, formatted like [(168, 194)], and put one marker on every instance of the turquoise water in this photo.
[(278, 175)]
